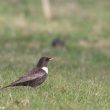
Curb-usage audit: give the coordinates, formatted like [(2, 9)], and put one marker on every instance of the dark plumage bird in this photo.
[(57, 42), (35, 77)]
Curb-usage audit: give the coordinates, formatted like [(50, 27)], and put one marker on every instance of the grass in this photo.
[(79, 76)]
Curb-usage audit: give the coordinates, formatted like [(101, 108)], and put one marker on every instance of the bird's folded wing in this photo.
[(29, 77)]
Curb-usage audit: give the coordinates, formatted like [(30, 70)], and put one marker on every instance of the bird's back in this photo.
[(33, 79)]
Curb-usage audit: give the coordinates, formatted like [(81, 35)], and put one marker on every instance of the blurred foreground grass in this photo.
[(79, 77)]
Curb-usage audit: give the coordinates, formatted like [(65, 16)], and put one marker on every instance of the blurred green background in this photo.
[(79, 77)]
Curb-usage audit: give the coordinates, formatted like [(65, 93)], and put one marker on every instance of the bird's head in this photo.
[(43, 62)]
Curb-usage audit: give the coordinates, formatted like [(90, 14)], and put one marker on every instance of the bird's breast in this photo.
[(45, 69)]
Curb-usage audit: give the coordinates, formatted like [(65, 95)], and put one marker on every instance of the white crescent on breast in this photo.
[(45, 69)]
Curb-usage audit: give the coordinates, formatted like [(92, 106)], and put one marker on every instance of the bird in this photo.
[(57, 42), (35, 77)]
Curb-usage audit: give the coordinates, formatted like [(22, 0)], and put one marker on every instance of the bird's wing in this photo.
[(29, 77)]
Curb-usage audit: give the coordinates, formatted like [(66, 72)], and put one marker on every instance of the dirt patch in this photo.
[(97, 44)]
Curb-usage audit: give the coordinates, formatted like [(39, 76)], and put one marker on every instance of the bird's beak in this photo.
[(51, 58)]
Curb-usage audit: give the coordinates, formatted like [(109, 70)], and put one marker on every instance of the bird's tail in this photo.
[(4, 87)]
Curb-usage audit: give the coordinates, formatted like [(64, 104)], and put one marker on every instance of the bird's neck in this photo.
[(45, 69)]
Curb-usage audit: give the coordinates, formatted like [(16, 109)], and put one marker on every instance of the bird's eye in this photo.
[(47, 59)]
